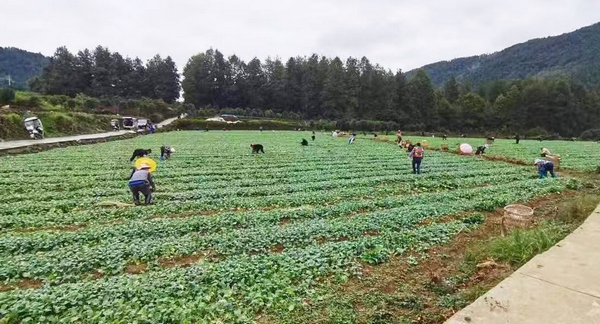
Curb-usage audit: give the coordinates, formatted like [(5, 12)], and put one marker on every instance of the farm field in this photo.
[(230, 235), (576, 155)]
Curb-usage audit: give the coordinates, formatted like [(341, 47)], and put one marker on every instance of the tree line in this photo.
[(352, 90), (102, 73)]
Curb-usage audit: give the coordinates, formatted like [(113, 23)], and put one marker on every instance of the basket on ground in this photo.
[(444, 147), (516, 216)]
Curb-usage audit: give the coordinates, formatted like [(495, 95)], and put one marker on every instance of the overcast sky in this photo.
[(397, 34)]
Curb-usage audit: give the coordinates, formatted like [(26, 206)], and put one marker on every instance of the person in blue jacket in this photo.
[(544, 167)]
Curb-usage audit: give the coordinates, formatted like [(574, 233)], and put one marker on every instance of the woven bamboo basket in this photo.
[(516, 216), (554, 159), (444, 147)]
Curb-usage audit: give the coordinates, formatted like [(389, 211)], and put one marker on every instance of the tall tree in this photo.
[(451, 90), (164, 78), (60, 76), (421, 100), (335, 97), (84, 69), (199, 82)]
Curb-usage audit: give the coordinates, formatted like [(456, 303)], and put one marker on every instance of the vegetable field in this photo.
[(230, 235), (576, 155)]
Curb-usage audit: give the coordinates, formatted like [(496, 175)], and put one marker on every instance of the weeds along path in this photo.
[(231, 236)]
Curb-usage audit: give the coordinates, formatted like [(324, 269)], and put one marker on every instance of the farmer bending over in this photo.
[(481, 149), (545, 152), (544, 167), (141, 181), (139, 153), (165, 152)]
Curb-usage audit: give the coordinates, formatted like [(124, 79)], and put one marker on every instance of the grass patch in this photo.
[(521, 245), (576, 211)]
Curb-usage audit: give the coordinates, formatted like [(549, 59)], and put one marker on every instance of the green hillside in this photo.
[(20, 65), (576, 53)]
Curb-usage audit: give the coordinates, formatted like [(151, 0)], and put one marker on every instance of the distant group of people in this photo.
[(141, 182)]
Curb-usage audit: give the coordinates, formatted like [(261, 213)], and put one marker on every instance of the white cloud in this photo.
[(396, 34)]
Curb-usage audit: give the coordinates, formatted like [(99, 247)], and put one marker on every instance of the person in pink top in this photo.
[(399, 135)]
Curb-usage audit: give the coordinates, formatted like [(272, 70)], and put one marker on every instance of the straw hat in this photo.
[(144, 166)]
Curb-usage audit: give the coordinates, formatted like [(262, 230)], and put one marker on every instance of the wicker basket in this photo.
[(489, 141), (516, 216), (555, 159), (444, 147)]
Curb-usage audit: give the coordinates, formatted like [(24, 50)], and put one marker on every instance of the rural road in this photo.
[(50, 140)]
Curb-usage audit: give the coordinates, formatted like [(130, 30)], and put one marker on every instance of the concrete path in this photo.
[(168, 121), (50, 140), (561, 285)]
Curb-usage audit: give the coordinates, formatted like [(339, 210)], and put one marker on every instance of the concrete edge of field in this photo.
[(561, 285), (34, 146)]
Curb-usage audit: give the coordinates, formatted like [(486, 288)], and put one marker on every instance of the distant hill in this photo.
[(20, 65), (576, 53)]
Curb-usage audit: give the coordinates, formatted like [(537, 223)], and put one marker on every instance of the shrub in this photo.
[(7, 96), (91, 103), (11, 126), (34, 101), (57, 100), (591, 134), (536, 132), (61, 121), (191, 124)]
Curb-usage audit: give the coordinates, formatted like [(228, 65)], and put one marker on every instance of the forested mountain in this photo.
[(101, 73), (20, 65), (354, 91), (576, 53)]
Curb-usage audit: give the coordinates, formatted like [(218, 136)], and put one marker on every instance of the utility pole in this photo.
[(8, 79)]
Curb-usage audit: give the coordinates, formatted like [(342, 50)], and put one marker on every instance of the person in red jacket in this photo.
[(417, 157)]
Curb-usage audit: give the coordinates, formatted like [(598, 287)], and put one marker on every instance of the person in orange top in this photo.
[(417, 157)]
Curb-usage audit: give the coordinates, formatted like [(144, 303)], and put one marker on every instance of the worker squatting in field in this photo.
[(140, 181)]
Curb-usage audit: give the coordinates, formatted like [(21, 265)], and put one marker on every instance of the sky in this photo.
[(396, 34)]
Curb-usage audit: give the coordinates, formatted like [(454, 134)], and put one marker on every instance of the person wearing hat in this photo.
[(141, 181), (544, 167), (165, 152), (545, 152), (481, 149)]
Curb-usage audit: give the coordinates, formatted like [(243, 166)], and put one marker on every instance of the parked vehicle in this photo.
[(129, 123), (143, 123), (34, 127)]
